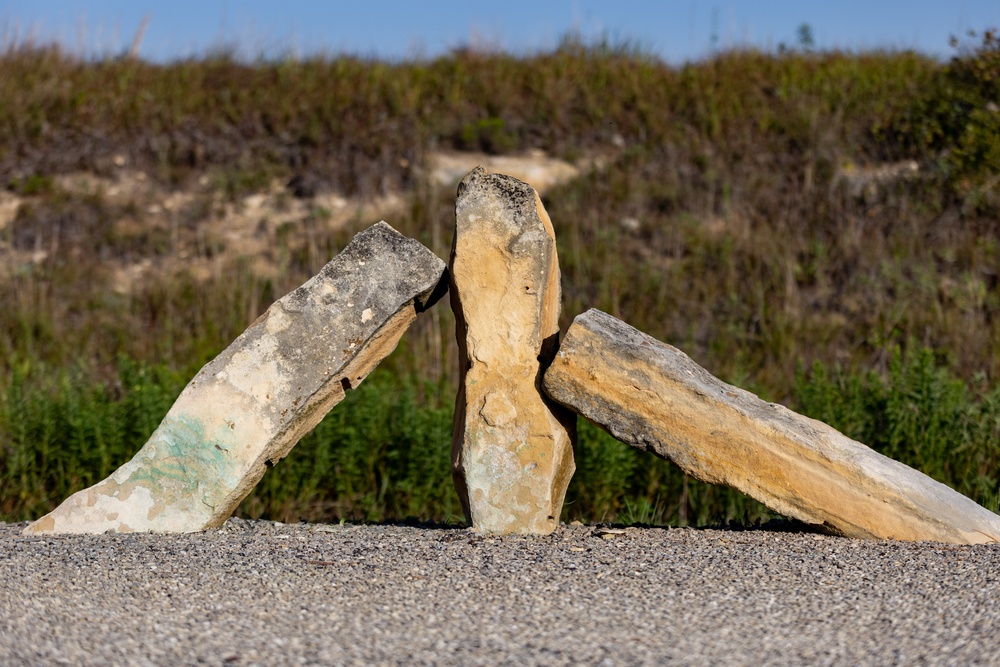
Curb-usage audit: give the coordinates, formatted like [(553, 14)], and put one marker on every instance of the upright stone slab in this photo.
[(512, 450), (653, 397), (246, 408)]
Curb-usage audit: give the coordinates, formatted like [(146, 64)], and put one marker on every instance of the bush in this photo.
[(920, 414), (955, 124), (715, 218)]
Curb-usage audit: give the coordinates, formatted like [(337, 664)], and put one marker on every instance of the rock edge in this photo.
[(654, 397), (247, 408)]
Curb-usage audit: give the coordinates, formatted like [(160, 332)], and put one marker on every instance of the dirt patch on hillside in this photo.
[(156, 231)]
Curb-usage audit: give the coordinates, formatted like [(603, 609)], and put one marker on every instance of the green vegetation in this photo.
[(957, 120), (766, 213), (384, 452)]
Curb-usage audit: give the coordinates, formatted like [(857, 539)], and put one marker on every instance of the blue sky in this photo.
[(676, 30)]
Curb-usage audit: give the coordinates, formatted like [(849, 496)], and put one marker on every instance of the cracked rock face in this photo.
[(248, 407), (655, 398), (512, 450)]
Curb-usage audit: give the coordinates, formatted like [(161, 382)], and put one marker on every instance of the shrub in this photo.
[(921, 414), (954, 124)]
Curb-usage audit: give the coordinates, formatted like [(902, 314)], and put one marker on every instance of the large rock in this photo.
[(512, 450), (653, 397), (246, 408)]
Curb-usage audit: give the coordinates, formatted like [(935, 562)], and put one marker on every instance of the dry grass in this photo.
[(761, 212)]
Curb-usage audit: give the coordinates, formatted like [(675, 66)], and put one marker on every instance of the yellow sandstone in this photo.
[(512, 449)]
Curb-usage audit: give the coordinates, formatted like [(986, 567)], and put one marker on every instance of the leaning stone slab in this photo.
[(246, 408), (653, 397), (512, 449)]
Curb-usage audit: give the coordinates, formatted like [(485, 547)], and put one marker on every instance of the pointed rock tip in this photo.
[(512, 194), (471, 178)]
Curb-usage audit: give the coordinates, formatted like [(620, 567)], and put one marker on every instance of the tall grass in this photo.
[(383, 453), (920, 414), (737, 212), (61, 431)]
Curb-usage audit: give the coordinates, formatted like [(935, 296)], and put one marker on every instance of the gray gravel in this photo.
[(260, 593)]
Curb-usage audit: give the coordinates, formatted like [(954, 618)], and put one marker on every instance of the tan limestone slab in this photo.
[(512, 448), (653, 397), (245, 409)]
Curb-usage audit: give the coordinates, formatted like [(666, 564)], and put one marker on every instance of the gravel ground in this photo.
[(261, 593)]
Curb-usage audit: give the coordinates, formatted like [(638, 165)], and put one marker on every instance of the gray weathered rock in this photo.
[(513, 448), (246, 408), (653, 397)]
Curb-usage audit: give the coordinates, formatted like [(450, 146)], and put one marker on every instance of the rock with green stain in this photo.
[(248, 407)]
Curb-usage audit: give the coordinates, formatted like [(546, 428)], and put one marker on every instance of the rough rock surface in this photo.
[(653, 397), (245, 409), (512, 448)]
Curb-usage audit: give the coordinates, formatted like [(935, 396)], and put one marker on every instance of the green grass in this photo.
[(61, 431), (754, 251), (383, 453), (920, 414)]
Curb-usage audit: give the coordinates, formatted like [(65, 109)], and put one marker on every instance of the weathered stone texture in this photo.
[(246, 408), (512, 448), (653, 397)]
